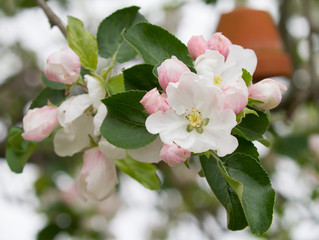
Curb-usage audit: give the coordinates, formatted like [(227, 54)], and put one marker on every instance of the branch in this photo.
[(54, 20)]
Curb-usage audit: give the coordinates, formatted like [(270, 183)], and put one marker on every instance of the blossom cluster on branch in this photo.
[(194, 103)]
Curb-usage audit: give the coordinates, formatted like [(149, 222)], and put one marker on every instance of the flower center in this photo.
[(218, 80), (195, 119)]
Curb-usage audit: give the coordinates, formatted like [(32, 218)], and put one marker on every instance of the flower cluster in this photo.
[(192, 112), (197, 111)]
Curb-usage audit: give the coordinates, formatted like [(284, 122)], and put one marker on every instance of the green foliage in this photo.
[(110, 31), (154, 44), (250, 182), (247, 77), (116, 84), (18, 150), (144, 173), (82, 42), (253, 127), (140, 77), (124, 125), (48, 95)]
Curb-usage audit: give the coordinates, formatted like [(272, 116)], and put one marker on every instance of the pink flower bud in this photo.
[(170, 71), (235, 95), (154, 102), (98, 176), (39, 123), (268, 91), (219, 43), (63, 66), (174, 154), (197, 45)]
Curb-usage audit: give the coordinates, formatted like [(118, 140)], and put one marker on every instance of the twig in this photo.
[(52, 17)]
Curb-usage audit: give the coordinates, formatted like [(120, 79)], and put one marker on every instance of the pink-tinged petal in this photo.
[(66, 146), (98, 176), (219, 43), (63, 66), (197, 46), (174, 154), (235, 95), (154, 102), (39, 123), (99, 118), (268, 91), (149, 154), (170, 71)]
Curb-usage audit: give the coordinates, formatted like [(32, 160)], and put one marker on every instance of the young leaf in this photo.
[(154, 44), (116, 84), (140, 77), (124, 125), (18, 150), (52, 84), (247, 77), (109, 34), (226, 195), (144, 173), (82, 42), (48, 95), (253, 127)]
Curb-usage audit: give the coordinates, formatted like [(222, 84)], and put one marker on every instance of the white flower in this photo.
[(197, 121), (213, 66)]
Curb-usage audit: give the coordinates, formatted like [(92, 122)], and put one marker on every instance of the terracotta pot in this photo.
[(256, 30)]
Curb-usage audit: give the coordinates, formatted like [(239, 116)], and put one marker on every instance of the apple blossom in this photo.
[(170, 71), (197, 46), (96, 90), (313, 144), (174, 154), (235, 95), (268, 91), (63, 66), (212, 65), (153, 102), (219, 43), (39, 123), (197, 120), (98, 176)]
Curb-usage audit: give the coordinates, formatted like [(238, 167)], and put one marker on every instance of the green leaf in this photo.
[(246, 147), (124, 125), (252, 101), (18, 150), (52, 84), (109, 35), (116, 84), (247, 77), (140, 77), (154, 44), (250, 183), (225, 194), (82, 42), (242, 114), (144, 173), (258, 197), (253, 127), (48, 95)]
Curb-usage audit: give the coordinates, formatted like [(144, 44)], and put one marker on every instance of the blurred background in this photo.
[(42, 203)]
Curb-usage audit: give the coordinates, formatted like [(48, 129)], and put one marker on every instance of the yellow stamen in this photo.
[(218, 80)]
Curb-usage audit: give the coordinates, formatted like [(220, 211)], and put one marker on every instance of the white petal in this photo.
[(72, 108), (96, 90), (168, 124), (99, 118), (149, 154), (65, 147), (210, 64), (110, 150)]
